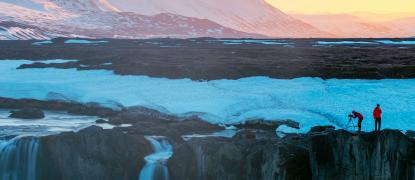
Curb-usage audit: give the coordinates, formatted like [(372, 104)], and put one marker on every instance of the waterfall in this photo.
[(18, 159), (156, 168)]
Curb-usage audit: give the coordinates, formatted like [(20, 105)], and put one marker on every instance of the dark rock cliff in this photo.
[(388, 154), (92, 153), (95, 153), (255, 152), (224, 158), (321, 154)]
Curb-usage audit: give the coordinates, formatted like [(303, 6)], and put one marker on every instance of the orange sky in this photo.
[(398, 8)]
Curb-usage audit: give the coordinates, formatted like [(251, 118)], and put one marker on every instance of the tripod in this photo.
[(350, 124)]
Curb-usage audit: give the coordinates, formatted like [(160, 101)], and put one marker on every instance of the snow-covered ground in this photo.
[(310, 101), (343, 42), (253, 41), (407, 42), (386, 42), (83, 41), (38, 43)]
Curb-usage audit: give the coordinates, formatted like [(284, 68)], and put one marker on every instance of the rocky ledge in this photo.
[(118, 153), (321, 154), (388, 154), (329, 154), (27, 113)]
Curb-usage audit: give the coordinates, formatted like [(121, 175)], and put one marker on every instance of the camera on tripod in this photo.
[(350, 124)]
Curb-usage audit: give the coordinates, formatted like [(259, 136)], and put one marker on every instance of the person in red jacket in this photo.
[(377, 115), (359, 116)]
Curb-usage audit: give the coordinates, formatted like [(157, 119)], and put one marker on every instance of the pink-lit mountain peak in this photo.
[(213, 18), (253, 16), (98, 19)]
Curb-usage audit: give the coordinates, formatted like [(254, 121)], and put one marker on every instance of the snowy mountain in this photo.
[(39, 19), (253, 16), (344, 25), (404, 26), (17, 31), (349, 26), (84, 5)]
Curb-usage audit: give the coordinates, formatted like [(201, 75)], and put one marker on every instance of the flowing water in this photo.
[(156, 168), (19, 140), (18, 158)]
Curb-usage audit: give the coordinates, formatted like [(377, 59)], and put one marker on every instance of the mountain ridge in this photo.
[(61, 18), (253, 16), (351, 26), (44, 19)]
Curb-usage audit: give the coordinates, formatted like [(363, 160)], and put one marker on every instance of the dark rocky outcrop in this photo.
[(90, 109), (254, 152), (322, 129), (27, 113), (410, 133), (261, 124), (324, 153), (388, 154), (100, 121), (223, 158), (92, 153), (95, 153)]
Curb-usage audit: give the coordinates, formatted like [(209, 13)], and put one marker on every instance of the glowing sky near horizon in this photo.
[(345, 6)]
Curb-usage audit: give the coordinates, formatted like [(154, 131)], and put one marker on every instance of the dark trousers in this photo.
[(378, 122), (359, 124)]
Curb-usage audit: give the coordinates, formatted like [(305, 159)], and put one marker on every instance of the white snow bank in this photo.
[(42, 42), (284, 129), (309, 101), (110, 126), (81, 41), (57, 61), (406, 42), (252, 41), (403, 42), (343, 42)]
